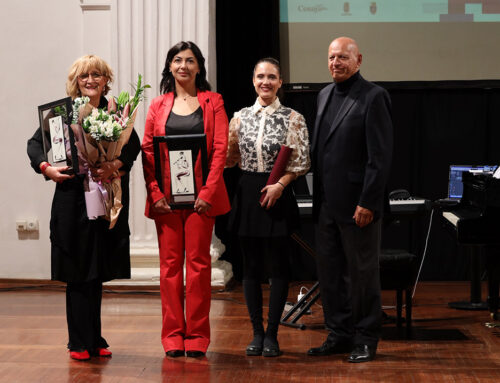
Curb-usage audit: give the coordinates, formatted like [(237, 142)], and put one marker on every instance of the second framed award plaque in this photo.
[(183, 152), (58, 139)]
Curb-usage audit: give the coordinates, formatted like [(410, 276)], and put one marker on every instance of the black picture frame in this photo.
[(183, 151), (58, 138)]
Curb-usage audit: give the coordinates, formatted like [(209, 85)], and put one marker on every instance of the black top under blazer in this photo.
[(81, 249), (356, 153)]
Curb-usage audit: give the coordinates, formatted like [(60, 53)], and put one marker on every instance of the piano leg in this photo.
[(475, 303), (493, 267)]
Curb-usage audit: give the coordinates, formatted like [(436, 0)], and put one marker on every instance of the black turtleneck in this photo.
[(337, 98), (345, 86)]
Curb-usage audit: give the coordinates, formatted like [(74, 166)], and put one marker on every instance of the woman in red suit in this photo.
[(186, 106)]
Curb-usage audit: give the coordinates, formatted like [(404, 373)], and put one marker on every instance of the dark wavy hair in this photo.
[(167, 83), (270, 60)]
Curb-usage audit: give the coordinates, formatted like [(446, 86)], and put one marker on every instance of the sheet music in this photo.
[(450, 217), (497, 173)]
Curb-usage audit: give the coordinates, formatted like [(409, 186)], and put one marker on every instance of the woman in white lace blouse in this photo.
[(256, 134)]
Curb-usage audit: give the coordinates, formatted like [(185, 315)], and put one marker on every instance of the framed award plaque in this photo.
[(183, 151), (58, 140)]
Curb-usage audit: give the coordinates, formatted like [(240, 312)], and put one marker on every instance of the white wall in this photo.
[(39, 40)]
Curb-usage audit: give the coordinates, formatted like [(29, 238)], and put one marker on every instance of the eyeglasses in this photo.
[(85, 76)]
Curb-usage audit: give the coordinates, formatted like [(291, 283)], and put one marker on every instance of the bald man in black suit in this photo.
[(351, 151)]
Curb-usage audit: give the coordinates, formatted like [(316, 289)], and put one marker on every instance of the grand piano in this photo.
[(475, 222)]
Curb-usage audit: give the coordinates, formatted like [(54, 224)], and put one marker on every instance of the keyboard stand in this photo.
[(301, 306)]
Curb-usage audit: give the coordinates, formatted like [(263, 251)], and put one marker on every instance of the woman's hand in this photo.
[(161, 206), (273, 192), (56, 174), (201, 206), (106, 170)]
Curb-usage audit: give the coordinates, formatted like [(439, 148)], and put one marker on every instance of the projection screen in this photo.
[(400, 40)]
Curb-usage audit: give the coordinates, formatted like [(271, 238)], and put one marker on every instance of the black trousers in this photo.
[(83, 313), (348, 272)]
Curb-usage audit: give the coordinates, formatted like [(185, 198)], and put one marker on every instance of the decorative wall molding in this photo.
[(103, 5)]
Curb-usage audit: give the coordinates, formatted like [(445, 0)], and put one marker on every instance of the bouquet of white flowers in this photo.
[(100, 135), (102, 126)]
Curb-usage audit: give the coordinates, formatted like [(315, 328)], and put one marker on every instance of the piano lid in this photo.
[(481, 190)]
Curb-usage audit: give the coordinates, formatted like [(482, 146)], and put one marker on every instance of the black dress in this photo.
[(83, 250)]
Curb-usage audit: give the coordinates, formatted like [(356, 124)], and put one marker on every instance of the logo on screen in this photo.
[(373, 7)]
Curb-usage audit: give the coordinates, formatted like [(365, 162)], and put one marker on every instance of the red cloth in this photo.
[(216, 130), (279, 167), (185, 229)]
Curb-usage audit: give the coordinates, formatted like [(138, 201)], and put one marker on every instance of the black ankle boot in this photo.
[(256, 345), (271, 346), (277, 299), (253, 298)]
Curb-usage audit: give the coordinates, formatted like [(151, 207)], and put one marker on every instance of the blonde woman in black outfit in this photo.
[(85, 252)]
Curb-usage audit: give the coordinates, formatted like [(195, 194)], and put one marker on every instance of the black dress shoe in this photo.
[(175, 353), (362, 353), (254, 350), (195, 354), (329, 348), (255, 346), (272, 350), (271, 346)]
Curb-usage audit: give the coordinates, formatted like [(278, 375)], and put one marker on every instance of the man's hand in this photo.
[(362, 216)]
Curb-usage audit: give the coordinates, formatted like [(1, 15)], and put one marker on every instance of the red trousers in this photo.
[(178, 232)]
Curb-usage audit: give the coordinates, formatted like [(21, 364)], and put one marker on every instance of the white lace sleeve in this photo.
[(298, 140), (233, 150)]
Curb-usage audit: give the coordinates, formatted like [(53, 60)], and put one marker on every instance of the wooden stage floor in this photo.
[(448, 345)]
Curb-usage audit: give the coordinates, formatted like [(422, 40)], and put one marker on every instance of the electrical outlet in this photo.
[(32, 225), (21, 225)]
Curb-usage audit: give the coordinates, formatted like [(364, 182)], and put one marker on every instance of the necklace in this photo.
[(187, 96)]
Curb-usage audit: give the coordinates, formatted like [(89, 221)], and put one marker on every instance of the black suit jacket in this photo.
[(357, 151)]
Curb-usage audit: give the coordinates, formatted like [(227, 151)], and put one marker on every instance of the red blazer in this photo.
[(216, 130)]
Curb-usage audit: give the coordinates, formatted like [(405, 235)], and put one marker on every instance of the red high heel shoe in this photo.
[(79, 355), (103, 352)]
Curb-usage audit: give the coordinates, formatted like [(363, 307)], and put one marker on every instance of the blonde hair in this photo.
[(87, 64)]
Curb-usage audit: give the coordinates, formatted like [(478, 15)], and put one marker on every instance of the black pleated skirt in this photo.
[(248, 219)]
